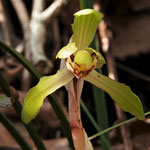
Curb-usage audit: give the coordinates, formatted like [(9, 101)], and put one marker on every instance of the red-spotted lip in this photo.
[(76, 69)]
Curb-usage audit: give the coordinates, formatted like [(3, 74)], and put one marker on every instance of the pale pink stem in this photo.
[(74, 92)]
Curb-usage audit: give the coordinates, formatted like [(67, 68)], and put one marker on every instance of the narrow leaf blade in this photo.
[(21, 59), (119, 92), (14, 132), (52, 98)]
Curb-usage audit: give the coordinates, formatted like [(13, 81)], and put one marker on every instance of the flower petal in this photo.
[(119, 92), (67, 51), (97, 55), (36, 95), (84, 27)]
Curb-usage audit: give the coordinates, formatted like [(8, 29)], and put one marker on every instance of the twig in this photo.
[(52, 10), (105, 38), (4, 24), (37, 39), (39, 19), (56, 37), (23, 16)]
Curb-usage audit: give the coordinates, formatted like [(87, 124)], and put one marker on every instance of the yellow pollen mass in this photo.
[(83, 58)]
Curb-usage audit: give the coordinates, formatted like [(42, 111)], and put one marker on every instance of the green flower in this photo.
[(79, 60)]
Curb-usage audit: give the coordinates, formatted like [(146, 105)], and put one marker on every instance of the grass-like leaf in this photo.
[(52, 98), (17, 106), (14, 132), (21, 59), (115, 126)]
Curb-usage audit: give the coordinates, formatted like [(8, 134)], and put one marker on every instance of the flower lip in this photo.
[(81, 63), (83, 59)]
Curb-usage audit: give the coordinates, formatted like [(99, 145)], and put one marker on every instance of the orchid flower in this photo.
[(78, 63)]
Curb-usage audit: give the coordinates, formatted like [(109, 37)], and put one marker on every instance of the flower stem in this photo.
[(74, 93)]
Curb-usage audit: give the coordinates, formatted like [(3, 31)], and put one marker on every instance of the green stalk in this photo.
[(4, 85), (99, 96), (52, 99), (61, 116), (115, 126), (21, 59), (97, 127), (86, 4), (101, 114), (14, 132), (90, 116), (100, 104)]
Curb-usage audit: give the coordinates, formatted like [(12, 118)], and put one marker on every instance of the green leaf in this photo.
[(17, 106), (21, 59), (86, 4), (14, 132), (4, 85), (119, 92), (52, 98), (89, 115), (36, 95), (97, 127), (67, 51), (84, 27), (115, 126), (101, 115)]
